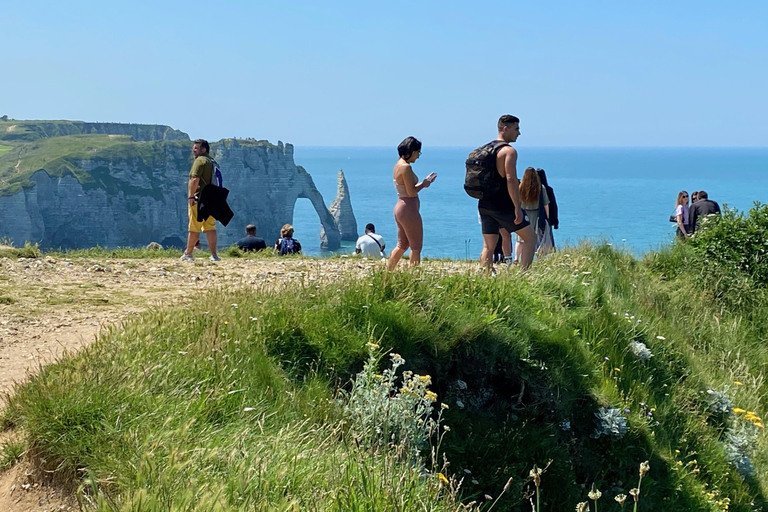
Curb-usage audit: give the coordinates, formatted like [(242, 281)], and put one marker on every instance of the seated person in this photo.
[(286, 244), (251, 242), (370, 245)]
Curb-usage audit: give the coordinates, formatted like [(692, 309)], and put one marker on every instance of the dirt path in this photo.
[(49, 306)]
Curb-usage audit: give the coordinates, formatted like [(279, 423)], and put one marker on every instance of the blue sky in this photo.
[(589, 73)]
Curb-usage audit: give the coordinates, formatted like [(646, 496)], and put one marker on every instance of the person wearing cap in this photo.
[(251, 242), (370, 245)]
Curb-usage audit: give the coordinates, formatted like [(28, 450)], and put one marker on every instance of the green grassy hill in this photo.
[(589, 364), (63, 155), (14, 132)]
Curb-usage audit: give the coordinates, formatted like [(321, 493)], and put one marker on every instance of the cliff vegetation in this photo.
[(587, 365)]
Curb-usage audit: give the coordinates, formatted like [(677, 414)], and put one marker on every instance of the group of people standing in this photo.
[(521, 207), (526, 208), (687, 217)]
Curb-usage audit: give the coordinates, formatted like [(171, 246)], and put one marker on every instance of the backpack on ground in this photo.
[(288, 246), (481, 181)]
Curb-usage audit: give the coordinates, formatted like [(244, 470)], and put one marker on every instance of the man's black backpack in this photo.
[(481, 181)]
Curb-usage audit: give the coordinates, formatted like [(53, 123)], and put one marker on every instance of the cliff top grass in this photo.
[(60, 156), (593, 360), (61, 147), (15, 131)]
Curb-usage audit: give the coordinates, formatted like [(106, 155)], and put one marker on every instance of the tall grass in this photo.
[(233, 405)]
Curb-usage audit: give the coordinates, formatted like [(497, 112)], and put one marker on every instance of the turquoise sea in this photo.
[(622, 195)]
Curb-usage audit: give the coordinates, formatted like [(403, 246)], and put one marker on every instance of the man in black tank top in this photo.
[(503, 209)]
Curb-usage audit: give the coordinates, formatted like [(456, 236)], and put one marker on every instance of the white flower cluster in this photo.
[(640, 350)]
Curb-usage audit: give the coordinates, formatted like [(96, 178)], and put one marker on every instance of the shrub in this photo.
[(736, 241)]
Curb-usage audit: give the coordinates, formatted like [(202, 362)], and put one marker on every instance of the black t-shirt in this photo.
[(500, 202), (251, 243)]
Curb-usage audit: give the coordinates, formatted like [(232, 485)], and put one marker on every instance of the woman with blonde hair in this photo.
[(286, 244), (532, 196), (681, 214)]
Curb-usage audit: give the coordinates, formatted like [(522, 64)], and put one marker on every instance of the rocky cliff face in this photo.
[(341, 209), (138, 195)]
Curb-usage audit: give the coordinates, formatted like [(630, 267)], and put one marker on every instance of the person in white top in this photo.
[(370, 245)]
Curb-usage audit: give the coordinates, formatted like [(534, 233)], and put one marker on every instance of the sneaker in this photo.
[(214, 258), (187, 257), (198, 246)]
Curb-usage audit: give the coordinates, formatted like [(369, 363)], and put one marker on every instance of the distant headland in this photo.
[(74, 184)]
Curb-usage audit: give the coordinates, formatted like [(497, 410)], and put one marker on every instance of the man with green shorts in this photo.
[(200, 176)]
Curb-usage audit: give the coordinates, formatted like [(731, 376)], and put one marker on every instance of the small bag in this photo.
[(673, 218)]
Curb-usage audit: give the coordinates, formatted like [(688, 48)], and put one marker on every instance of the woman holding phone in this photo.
[(410, 232)]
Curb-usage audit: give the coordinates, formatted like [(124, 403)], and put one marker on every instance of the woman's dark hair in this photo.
[(408, 146), (542, 177)]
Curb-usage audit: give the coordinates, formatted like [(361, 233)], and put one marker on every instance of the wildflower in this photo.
[(536, 475), (660, 338), (617, 369), (635, 492), (488, 497), (620, 499), (738, 410), (759, 424), (640, 350), (446, 428), (443, 480), (444, 406), (736, 382), (371, 345), (431, 396), (424, 378), (644, 468), (595, 493), (582, 507)]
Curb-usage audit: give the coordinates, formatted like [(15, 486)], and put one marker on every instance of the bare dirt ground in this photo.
[(49, 306)]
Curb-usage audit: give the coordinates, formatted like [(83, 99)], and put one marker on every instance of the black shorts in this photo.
[(492, 220)]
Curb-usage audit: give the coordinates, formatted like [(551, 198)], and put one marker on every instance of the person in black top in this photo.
[(554, 221), (251, 242), (704, 206), (503, 210)]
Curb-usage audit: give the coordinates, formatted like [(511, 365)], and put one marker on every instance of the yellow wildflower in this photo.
[(443, 480), (736, 382), (617, 369), (374, 346), (424, 378), (444, 406), (759, 424), (429, 395), (738, 410)]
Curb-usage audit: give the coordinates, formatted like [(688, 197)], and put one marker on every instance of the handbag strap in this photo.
[(377, 242)]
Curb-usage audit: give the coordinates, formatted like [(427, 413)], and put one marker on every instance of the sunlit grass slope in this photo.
[(592, 360)]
